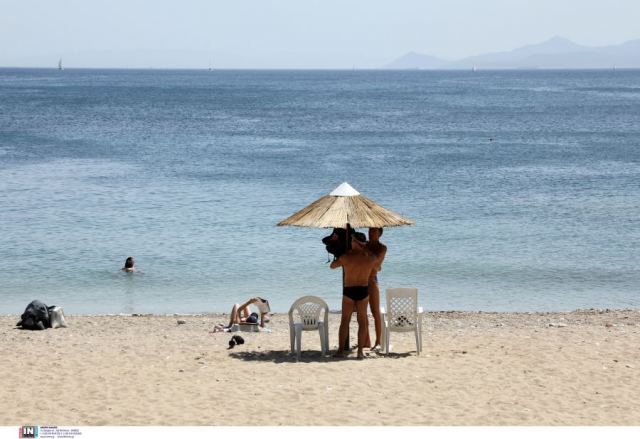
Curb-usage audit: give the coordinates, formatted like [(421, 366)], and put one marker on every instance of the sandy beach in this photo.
[(577, 368)]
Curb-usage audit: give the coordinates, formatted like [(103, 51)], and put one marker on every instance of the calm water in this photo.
[(189, 171)]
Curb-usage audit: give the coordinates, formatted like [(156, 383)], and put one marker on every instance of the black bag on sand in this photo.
[(35, 316), (339, 241)]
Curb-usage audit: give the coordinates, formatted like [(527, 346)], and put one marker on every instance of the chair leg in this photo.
[(386, 340), (326, 340), (298, 341), (322, 346), (292, 336)]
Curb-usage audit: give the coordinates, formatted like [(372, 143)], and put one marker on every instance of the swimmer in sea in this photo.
[(129, 265)]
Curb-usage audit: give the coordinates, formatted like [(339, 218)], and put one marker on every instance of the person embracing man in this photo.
[(379, 250)]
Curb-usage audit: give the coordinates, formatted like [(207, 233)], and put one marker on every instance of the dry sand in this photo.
[(578, 368)]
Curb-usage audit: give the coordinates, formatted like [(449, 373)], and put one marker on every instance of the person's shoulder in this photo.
[(378, 248)]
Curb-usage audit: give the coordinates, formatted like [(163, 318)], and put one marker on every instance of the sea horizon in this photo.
[(337, 69)]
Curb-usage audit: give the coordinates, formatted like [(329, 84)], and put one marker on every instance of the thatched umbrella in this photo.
[(344, 205)]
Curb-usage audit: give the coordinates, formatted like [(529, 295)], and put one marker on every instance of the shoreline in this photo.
[(477, 368), (338, 312)]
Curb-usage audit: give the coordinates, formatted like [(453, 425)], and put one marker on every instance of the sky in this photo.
[(320, 34)]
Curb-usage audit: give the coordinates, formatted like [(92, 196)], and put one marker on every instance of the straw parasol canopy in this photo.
[(345, 205)]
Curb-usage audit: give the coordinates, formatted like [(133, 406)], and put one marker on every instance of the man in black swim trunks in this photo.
[(358, 262)]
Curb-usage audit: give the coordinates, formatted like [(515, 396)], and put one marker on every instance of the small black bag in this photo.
[(336, 243), (36, 316)]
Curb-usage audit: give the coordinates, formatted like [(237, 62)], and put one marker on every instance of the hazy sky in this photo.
[(293, 33)]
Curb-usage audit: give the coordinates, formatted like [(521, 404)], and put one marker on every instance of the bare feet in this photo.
[(339, 354), (360, 354)]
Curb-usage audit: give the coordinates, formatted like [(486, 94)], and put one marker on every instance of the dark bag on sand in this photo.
[(36, 316)]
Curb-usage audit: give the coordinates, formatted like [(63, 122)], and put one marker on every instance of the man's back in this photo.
[(358, 265)]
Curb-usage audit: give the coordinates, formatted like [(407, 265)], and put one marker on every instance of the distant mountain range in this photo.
[(555, 53)]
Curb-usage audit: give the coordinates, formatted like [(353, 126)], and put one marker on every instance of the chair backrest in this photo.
[(307, 310), (402, 308)]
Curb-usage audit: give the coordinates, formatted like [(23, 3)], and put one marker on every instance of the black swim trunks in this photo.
[(356, 293)]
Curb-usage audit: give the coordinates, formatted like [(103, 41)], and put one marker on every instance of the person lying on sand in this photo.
[(242, 314)]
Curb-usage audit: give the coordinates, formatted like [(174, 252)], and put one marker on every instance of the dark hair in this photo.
[(338, 242), (129, 262), (362, 240), (359, 236)]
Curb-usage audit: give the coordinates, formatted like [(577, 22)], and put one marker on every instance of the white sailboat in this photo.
[(60, 64)]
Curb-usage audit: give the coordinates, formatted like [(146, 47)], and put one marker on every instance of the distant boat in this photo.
[(473, 69), (60, 64)]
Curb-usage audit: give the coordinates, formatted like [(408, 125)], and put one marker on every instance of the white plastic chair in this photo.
[(403, 315), (307, 311)]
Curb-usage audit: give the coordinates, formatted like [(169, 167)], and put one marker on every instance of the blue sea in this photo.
[(524, 186)]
